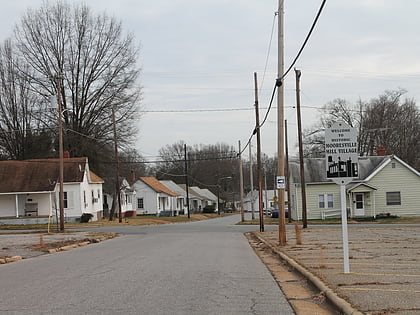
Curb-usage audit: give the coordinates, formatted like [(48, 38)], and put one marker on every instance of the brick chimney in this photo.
[(380, 151)]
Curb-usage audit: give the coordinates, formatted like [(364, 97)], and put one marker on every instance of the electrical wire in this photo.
[(280, 80)]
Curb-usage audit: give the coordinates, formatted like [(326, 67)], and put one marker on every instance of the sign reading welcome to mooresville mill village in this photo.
[(341, 153)]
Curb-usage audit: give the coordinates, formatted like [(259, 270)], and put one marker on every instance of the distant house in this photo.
[(195, 199), (251, 200), (128, 200), (30, 190), (179, 202), (386, 185), (153, 197)]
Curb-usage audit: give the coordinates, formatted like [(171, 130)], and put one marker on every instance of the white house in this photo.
[(127, 197), (386, 185), (29, 190), (251, 200), (153, 197), (179, 202), (195, 199)]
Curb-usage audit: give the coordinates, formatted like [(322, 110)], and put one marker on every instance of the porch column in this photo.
[(351, 204), (17, 205), (374, 203)]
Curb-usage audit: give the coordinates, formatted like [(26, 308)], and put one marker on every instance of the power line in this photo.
[(280, 80)]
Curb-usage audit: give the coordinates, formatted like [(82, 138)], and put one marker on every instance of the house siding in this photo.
[(399, 179), (312, 207), (150, 199)]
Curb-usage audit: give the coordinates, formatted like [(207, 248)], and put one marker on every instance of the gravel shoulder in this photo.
[(28, 245)]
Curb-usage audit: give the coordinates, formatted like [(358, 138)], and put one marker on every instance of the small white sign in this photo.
[(281, 182)]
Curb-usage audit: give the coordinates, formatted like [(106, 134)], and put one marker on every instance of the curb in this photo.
[(339, 302)]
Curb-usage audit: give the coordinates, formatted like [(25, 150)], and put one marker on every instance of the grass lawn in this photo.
[(138, 220)]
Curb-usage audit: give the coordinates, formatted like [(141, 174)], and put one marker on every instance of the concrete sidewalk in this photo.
[(384, 273)]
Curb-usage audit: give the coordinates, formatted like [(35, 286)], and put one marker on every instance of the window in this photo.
[(326, 201), (140, 203), (393, 198), (330, 200), (66, 201)]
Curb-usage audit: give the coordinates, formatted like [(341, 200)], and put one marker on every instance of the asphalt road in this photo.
[(204, 267)]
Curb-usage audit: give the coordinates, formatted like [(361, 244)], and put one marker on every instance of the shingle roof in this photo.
[(95, 178), (39, 175), (174, 187), (157, 186)]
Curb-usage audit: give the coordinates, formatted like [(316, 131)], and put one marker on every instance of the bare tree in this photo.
[(394, 124), (97, 66), (206, 164), (21, 134), (338, 109), (387, 121)]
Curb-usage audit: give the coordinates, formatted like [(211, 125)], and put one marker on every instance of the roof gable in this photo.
[(157, 186)]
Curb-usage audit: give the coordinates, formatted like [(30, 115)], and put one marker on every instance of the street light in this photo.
[(218, 192)]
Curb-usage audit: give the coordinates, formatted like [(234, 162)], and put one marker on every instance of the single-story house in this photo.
[(251, 200), (29, 190), (195, 199), (153, 197), (179, 202), (386, 185), (207, 197), (127, 197)]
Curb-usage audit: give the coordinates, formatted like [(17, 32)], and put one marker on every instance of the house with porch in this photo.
[(29, 191), (195, 200), (127, 199), (153, 197), (179, 202), (386, 185)]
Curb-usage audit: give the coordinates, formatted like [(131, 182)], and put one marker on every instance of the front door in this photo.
[(359, 209)]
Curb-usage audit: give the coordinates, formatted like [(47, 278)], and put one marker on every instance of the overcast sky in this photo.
[(201, 55)]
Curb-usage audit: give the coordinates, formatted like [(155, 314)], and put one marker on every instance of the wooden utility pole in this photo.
[(280, 120), (117, 168), (241, 184), (301, 161), (60, 151), (289, 198), (251, 175), (257, 127), (186, 180)]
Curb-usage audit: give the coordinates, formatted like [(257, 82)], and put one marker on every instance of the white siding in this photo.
[(399, 179)]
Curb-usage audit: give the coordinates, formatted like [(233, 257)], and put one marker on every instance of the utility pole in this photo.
[(60, 151), (186, 181), (301, 161), (280, 120), (117, 168), (257, 127), (289, 199), (251, 175), (241, 184)]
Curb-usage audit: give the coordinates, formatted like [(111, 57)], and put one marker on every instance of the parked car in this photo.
[(275, 214)]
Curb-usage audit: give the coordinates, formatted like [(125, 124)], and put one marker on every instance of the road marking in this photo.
[(385, 290)]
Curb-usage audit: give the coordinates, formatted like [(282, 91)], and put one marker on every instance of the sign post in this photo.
[(342, 166)]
